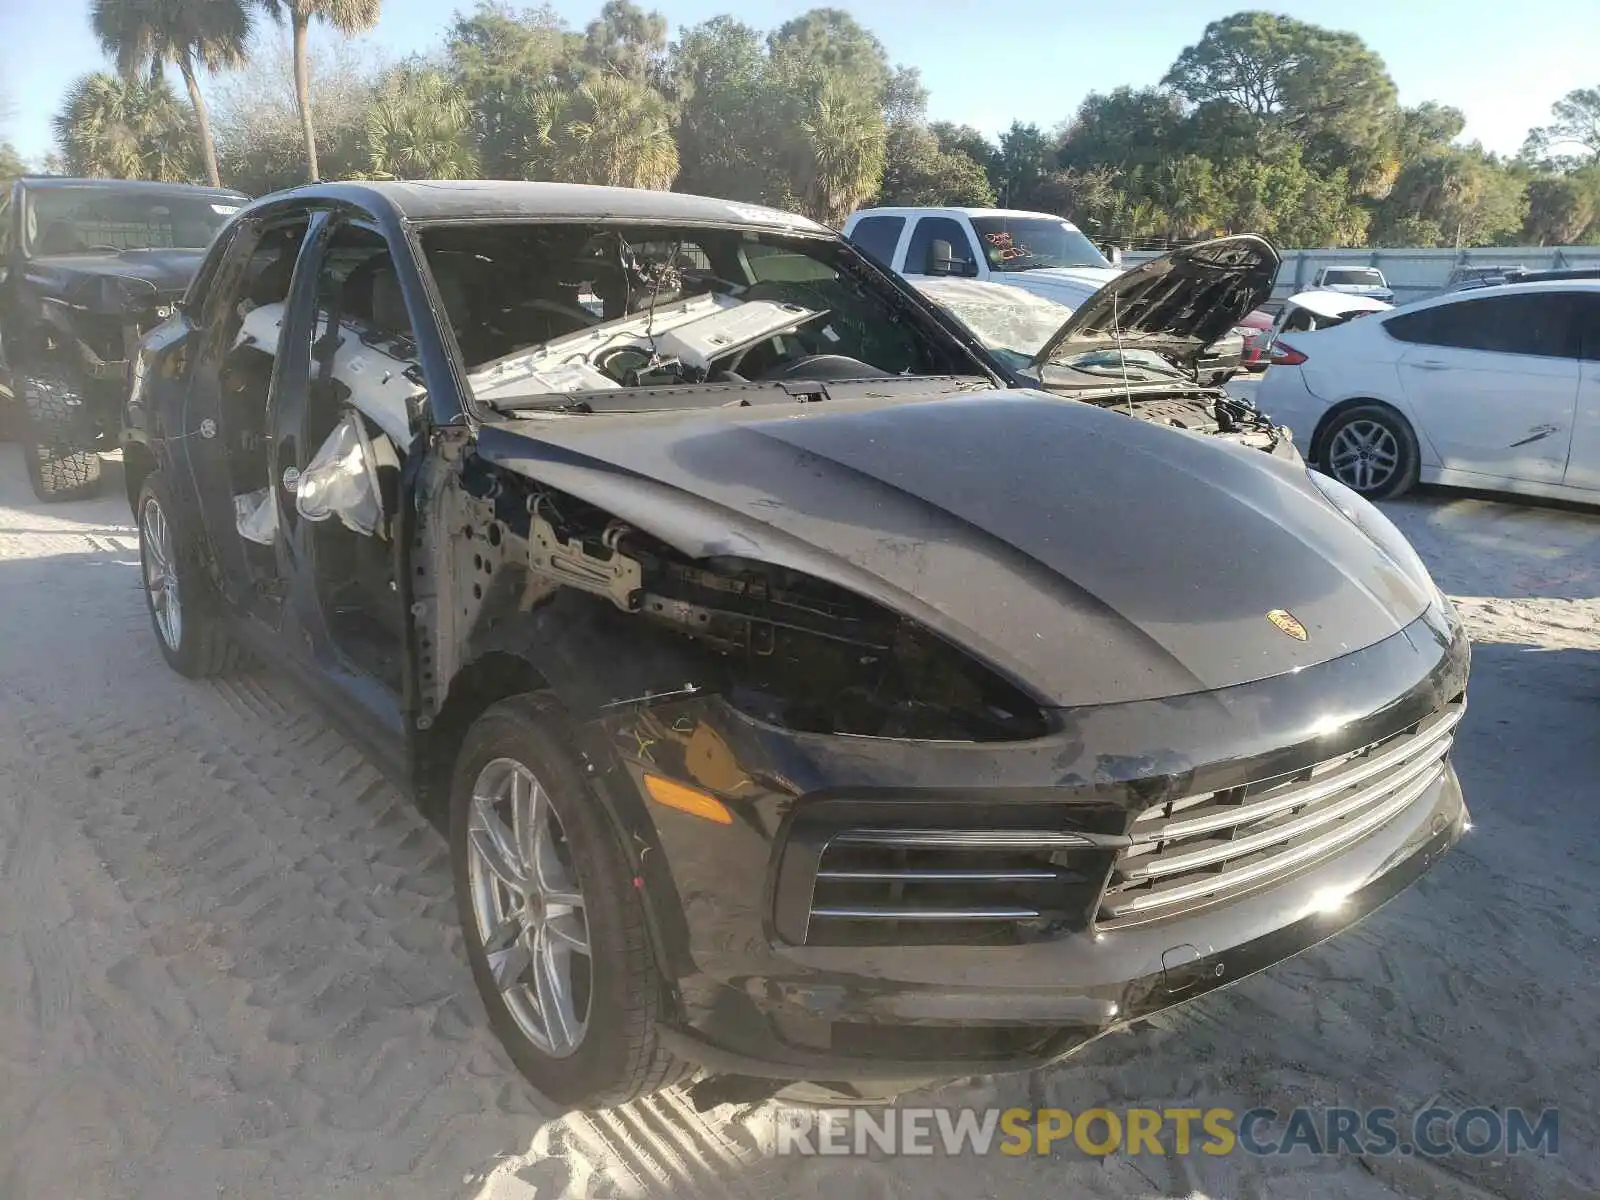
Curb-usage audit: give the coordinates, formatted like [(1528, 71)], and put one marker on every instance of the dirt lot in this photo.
[(228, 964)]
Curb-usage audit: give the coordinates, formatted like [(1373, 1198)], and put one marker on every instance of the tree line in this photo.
[(1265, 124)]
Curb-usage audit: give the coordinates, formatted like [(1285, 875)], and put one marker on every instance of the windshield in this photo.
[(80, 220), (1028, 243), (559, 310), (1361, 276), (1012, 324)]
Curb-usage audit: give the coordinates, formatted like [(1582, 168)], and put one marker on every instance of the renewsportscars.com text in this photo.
[(1433, 1132)]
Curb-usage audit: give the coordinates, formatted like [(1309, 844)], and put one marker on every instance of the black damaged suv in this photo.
[(803, 702), (88, 267)]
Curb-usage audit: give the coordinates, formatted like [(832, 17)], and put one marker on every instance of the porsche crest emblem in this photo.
[(1288, 623)]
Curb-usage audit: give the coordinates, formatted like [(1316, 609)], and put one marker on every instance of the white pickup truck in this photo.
[(1046, 255), (1036, 252), (1353, 281)]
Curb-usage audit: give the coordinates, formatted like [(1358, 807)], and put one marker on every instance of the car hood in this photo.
[(1113, 561), (1333, 304), (165, 273), (1177, 304), (1065, 285)]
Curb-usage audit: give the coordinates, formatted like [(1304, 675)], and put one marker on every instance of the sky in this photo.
[(1502, 64)]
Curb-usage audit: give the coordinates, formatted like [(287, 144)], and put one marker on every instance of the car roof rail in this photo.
[(1552, 275)]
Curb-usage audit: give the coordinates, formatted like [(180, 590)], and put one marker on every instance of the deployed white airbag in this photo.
[(342, 478), (340, 481), (256, 516)]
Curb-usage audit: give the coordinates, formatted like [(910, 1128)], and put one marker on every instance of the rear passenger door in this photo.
[(1492, 382)]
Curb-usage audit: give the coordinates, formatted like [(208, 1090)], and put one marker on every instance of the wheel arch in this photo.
[(485, 681), (500, 673), (138, 464), (1320, 433)]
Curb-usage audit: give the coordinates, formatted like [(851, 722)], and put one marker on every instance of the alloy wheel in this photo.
[(528, 906), (1364, 455), (160, 574)]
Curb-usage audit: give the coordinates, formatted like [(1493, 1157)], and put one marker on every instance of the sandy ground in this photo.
[(228, 965)]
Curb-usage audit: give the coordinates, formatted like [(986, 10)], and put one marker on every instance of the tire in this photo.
[(1391, 461), (59, 466), (616, 1057), (197, 643)]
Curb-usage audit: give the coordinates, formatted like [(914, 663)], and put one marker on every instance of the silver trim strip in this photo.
[(1176, 863), (1313, 791), (1116, 906), (978, 839), (874, 913), (935, 875)]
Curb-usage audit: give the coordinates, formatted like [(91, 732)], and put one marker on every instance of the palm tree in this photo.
[(144, 34), (844, 137), (419, 127), (609, 130), (348, 17), (110, 127)]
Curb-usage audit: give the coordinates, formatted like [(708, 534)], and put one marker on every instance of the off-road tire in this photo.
[(1404, 476), (59, 468), (620, 1057), (204, 647)]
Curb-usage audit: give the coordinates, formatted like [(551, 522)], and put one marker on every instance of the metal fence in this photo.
[(1414, 274)]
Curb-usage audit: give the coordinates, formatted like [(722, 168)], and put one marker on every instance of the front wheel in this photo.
[(50, 412), (183, 607), (1371, 450), (553, 923)]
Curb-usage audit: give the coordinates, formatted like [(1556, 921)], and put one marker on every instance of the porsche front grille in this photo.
[(1199, 849)]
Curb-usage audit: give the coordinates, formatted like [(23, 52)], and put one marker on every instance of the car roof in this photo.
[(438, 200), (46, 182), (954, 210), (1590, 284)]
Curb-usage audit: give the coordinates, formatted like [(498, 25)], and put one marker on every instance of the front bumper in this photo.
[(751, 999), (1074, 992)]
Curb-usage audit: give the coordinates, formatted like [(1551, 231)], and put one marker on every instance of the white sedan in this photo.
[(1497, 388)]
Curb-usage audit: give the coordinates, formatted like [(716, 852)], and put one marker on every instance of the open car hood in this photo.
[(1333, 305), (1176, 305)]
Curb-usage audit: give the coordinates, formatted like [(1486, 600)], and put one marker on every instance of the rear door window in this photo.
[(877, 237), (1536, 323)]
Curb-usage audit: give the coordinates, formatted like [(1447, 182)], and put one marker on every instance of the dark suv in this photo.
[(88, 267), (803, 703)]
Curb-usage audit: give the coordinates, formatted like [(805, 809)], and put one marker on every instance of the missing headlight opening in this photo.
[(794, 650)]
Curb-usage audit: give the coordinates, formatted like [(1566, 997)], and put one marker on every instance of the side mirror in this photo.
[(942, 260)]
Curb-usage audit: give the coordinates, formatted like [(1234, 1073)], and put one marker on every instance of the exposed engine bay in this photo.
[(794, 650), (1215, 415)]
